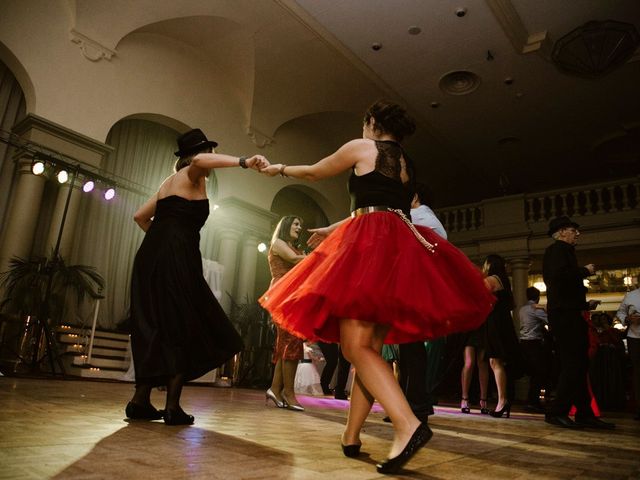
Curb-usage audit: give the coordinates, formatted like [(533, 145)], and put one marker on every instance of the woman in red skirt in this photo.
[(375, 278)]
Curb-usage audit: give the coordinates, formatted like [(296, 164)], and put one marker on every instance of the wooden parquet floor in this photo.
[(68, 429)]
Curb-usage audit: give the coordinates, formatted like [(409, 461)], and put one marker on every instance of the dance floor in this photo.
[(68, 429)]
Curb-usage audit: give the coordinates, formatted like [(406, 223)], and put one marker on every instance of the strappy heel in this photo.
[(483, 407), (465, 409)]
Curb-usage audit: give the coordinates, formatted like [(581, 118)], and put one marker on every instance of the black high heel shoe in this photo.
[(177, 417), (506, 410), (351, 451), (465, 409), (135, 411), (418, 440), (484, 410)]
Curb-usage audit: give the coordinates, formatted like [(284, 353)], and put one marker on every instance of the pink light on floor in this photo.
[(332, 403)]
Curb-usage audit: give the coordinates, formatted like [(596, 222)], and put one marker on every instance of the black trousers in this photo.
[(413, 377), (571, 335), (333, 356), (633, 344), (538, 360)]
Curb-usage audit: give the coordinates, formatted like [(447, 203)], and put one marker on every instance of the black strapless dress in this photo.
[(178, 326)]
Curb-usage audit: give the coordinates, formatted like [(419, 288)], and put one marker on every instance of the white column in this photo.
[(69, 224), (247, 271), (22, 218), (227, 256)]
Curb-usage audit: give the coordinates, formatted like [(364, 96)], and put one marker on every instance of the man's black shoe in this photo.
[(341, 395), (561, 421), (593, 422)]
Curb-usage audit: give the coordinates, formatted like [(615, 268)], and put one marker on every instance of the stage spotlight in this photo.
[(37, 167), (262, 247), (62, 176), (88, 186), (109, 194)]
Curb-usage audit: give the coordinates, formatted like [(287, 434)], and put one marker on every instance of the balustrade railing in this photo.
[(609, 197), (461, 218)]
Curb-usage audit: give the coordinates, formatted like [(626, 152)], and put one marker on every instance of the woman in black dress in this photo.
[(503, 348), (179, 331)]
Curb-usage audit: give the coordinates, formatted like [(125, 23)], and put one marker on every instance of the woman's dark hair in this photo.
[(391, 118), (283, 230), (498, 267), (186, 160)]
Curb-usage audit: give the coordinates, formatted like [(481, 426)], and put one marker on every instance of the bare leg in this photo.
[(501, 381), (289, 369), (277, 383), (467, 374), (483, 376), (359, 340), (359, 408)]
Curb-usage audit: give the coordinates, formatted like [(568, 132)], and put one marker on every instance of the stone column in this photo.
[(247, 271), (227, 256), (22, 217), (520, 277), (69, 221)]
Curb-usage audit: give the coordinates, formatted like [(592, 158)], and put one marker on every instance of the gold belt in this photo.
[(376, 208), (431, 247)]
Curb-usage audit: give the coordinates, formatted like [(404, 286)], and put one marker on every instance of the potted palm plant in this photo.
[(42, 288)]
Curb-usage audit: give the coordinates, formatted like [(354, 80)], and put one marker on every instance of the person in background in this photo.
[(629, 314), (502, 343), (334, 358), (179, 330), (566, 302), (536, 351), (420, 360), (288, 351)]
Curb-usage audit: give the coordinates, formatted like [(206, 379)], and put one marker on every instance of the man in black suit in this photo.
[(566, 300)]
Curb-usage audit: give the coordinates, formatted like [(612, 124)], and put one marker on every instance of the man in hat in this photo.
[(566, 300)]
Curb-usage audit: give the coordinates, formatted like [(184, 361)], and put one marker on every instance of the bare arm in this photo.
[(144, 216), (319, 234), (493, 283), (344, 158), (285, 252), (208, 161)]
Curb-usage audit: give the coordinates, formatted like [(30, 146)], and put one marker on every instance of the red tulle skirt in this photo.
[(373, 268)]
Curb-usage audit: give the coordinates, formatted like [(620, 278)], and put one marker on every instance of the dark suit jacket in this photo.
[(563, 277)]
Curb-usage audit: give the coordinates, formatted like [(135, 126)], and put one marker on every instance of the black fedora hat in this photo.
[(193, 141), (561, 222)]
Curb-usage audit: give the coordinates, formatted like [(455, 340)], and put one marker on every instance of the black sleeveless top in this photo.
[(383, 186)]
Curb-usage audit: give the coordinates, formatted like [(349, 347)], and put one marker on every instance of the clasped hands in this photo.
[(262, 165)]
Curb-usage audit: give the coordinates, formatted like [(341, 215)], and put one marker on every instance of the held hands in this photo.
[(319, 234), (257, 162), (272, 170)]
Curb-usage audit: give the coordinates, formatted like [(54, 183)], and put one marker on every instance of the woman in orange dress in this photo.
[(288, 351)]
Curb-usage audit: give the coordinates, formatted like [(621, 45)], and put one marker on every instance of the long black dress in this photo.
[(178, 326)]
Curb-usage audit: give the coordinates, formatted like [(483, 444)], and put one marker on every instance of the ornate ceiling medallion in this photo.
[(460, 82)]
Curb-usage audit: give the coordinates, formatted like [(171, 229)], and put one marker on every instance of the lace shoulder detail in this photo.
[(390, 160)]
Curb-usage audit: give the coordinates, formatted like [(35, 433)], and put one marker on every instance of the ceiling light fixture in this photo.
[(414, 30), (376, 46)]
